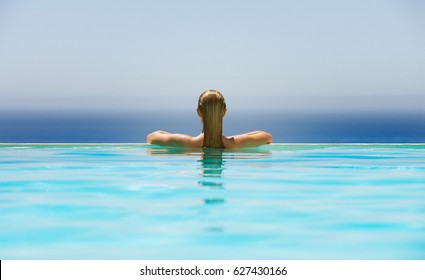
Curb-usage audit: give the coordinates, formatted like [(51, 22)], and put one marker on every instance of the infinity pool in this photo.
[(135, 201)]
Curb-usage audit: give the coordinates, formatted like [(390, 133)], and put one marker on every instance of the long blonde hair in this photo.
[(212, 107)]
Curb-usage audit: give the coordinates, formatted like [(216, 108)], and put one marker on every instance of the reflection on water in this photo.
[(211, 161), (211, 168), (210, 176)]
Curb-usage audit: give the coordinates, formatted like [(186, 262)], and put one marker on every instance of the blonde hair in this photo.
[(212, 107)]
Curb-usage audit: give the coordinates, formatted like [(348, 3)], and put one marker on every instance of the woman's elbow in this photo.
[(149, 138), (269, 138), (152, 136)]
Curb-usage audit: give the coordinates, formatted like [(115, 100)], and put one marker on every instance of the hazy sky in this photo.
[(140, 55)]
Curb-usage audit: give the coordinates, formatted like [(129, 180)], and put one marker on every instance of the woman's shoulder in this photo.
[(250, 139), (197, 141)]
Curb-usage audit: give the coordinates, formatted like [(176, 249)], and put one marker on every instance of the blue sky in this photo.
[(263, 55)]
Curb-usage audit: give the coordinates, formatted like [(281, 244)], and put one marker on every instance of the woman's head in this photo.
[(211, 103), (211, 109)]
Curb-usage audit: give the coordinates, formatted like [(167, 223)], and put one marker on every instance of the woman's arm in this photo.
[(251, 139), (163, 138)]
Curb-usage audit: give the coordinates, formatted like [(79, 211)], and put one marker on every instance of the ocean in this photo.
[(286, 127)]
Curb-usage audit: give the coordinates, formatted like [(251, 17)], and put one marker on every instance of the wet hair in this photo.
[(212, 107)]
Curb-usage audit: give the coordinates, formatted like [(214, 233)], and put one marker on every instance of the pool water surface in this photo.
[(282, 201)]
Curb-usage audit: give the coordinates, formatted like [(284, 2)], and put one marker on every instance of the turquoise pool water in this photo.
[(135, 201)]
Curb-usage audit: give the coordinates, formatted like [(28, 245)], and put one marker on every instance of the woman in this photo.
[(211, 109)]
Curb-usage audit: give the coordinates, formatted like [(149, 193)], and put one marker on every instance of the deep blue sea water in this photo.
[(286, 127)]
